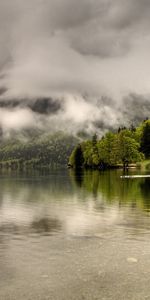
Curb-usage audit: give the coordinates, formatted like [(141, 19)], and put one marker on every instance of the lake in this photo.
[(69, 236)]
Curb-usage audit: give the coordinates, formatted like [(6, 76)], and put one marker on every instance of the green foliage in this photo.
[(76, 158), (127, 148), (145, 139), (105, 147), (48, 151), (51, 151), (90, 154), (120, 148), (94, 139), (111, 188)]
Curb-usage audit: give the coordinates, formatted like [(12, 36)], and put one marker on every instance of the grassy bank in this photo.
[(144, 165)]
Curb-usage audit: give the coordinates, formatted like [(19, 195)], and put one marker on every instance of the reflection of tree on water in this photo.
[(92, 181), (9, 228), (43, 225), (112, 189), (46, 225), (145, 191), (95, 184), (81, 177), (77, 176)]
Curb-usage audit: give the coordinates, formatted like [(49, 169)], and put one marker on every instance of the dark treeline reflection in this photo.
[(111, 188), (43, 226), (46, 225), (70, 201)]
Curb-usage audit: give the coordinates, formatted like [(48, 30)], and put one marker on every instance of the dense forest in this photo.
[(36, 151), (121, 148)]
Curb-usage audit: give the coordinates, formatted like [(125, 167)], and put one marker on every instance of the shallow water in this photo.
[(68, 236)]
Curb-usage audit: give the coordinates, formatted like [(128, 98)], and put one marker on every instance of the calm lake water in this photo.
[(74, 236)]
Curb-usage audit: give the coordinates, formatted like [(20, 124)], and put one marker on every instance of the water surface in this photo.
[(68, 236)]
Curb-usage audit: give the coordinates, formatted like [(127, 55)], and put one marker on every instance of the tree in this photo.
[(94, 139), (76, 158), (122, 147), (145, 139), (91, 155), (105, 148), (127, 149)]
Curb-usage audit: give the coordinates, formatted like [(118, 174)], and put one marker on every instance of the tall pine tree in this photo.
[(145, 140)]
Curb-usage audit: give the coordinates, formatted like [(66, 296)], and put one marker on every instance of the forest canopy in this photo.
[(39, 150), (126, 146)]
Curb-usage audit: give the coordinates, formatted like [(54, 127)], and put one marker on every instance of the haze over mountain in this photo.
[(74, 65)]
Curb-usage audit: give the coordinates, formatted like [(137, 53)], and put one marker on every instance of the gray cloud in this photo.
[(52, 53), (136, 108), (73, 114), (44, 43), (129, 13), (112, 28)]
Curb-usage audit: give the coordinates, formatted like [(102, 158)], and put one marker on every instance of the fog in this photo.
[(74, 65)]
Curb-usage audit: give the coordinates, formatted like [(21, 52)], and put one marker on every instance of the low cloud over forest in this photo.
[(73, 114), (74, 65)]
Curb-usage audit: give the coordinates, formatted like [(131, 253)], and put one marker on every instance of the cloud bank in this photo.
[(78, 55), (73, 114)]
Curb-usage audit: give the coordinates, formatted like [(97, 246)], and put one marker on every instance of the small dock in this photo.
[(135, 176)]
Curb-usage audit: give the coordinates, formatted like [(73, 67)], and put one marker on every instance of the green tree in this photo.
[(127, 149), (90, 153), (94, 139), (76, 159), (105, 148), (145, 139)]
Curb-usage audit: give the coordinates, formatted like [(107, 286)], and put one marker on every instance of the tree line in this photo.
[(126, 146), (43, 151)]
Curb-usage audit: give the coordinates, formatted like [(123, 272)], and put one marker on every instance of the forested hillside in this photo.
[(37, 151), (40, 150), (127, 145)]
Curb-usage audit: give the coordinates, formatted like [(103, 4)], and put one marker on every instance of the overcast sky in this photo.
[(75, 47)]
